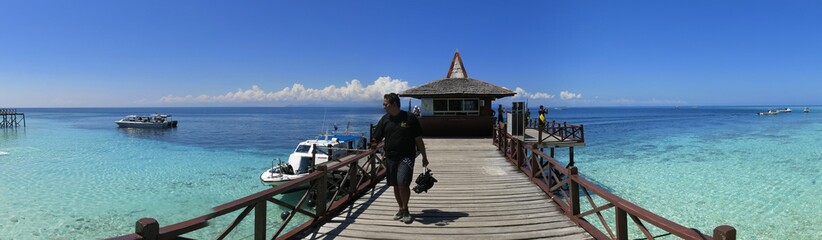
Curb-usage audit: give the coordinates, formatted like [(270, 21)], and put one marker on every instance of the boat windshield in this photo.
[(302, 148)]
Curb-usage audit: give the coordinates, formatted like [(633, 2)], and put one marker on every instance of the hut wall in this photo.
[(427, 108), (457, 126), (485, 110)]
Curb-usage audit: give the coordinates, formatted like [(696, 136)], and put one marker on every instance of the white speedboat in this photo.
[(150, 121), (300, 162), (807, 110), (769, 112), (784, 110)]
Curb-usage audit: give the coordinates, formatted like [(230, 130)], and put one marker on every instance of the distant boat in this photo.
[(151, 121), (784, 110), (807, 110), (769, 112)]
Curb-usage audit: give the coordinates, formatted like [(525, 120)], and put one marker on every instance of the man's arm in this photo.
[(377, 134), (421, 149)]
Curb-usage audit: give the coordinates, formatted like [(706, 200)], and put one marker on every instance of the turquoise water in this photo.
[(71, 174), (708, 167)]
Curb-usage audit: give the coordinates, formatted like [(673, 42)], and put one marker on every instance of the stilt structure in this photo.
[(10, 119)]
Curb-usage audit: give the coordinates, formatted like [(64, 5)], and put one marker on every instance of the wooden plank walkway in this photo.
[(479, 196)]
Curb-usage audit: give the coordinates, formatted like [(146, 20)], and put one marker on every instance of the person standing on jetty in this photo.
[(500, 119), (542, 113), (403, 139)]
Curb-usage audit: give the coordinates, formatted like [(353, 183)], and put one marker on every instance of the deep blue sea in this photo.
[(72, 174)]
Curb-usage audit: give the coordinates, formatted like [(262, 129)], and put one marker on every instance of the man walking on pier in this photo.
[(403, 139)]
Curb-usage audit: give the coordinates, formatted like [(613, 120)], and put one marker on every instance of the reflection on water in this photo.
[(12, 133), (149, 133)]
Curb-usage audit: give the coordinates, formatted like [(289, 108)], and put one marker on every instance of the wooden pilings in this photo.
[(9, 119)]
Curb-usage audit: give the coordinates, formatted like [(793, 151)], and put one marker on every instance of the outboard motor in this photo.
[(286, 168)]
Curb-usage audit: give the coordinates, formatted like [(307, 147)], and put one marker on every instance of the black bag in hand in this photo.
[(424, 181)]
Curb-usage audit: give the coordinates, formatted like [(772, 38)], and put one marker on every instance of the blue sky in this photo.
[(285, 53)]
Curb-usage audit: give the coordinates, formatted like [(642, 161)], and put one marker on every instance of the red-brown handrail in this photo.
[(359, 178), (560, 131), (552, 177)]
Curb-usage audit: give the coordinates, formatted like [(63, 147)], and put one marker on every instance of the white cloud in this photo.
[(521, 93), (624, 101), (651, 102), (566, 95), (298, 93)]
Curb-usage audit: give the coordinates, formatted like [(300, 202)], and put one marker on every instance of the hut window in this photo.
[(456, 107), (470, 105), (440, 105)]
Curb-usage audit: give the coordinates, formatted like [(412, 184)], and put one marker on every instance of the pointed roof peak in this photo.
[(457, 85), (457, 70)]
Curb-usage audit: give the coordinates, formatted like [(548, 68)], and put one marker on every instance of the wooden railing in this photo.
[(364, 171), (563, 185), (561, 131)]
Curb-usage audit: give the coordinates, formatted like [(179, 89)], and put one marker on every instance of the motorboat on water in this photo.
[(769, 112), (807, 110), (775, 111), (300, 161), (150, 121)]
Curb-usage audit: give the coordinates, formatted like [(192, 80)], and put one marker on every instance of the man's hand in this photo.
[(424, 161)]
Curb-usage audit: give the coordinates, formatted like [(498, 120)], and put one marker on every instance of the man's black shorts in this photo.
[(399, 171)]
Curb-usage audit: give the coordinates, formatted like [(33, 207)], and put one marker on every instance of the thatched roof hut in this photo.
[(458, 87), (457, 105)]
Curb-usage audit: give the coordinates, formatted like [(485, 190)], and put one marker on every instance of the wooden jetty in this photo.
[(479, 195), (10, 118), (502, 185), (519, 191)]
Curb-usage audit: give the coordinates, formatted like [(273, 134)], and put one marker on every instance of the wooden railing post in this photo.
[(520, 152), (504, 143), (535, 163), (322, 190), (621, 224), (574, 188), (353, 180), (313, 157), (148, 228), (724, 232), (506, 148), (372, 160), (571, 156), (330, 151), (259, 220)]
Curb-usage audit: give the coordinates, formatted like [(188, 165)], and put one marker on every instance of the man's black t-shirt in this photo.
[(399, 133)]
